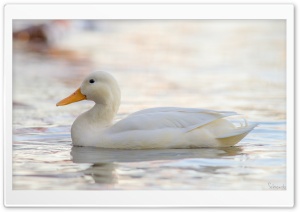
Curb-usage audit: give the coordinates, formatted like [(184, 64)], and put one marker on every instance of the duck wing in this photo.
[(169, 117), (179, 109)]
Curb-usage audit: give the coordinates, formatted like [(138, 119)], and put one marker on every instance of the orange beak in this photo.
[(74, 97)]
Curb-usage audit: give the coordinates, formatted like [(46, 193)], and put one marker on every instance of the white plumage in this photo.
[(154, 128)]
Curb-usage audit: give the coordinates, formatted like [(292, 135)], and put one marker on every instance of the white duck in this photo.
[(155, 128)]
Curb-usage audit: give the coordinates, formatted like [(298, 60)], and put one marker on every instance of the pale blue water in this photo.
[(236, 66)]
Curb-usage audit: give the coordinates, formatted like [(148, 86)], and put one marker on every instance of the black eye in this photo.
[(92, 81)]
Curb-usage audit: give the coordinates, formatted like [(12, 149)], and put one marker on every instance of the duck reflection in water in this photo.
[(103, 173), (105, 162)]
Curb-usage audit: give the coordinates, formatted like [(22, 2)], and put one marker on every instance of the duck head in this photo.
[(99, 87)]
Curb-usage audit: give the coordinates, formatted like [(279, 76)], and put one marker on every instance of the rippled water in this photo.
[(221, 65)]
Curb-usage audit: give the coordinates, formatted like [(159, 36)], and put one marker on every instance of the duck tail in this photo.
[(234, 136)]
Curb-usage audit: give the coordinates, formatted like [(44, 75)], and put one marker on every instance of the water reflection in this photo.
[(99, 155), (103, 173), (105, 162)]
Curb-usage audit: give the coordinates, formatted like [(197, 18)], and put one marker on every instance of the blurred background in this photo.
[(234, 65)]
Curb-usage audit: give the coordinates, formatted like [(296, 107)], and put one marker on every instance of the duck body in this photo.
[(154, 128)]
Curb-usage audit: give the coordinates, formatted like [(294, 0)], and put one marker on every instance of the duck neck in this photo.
[(101, 114)]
